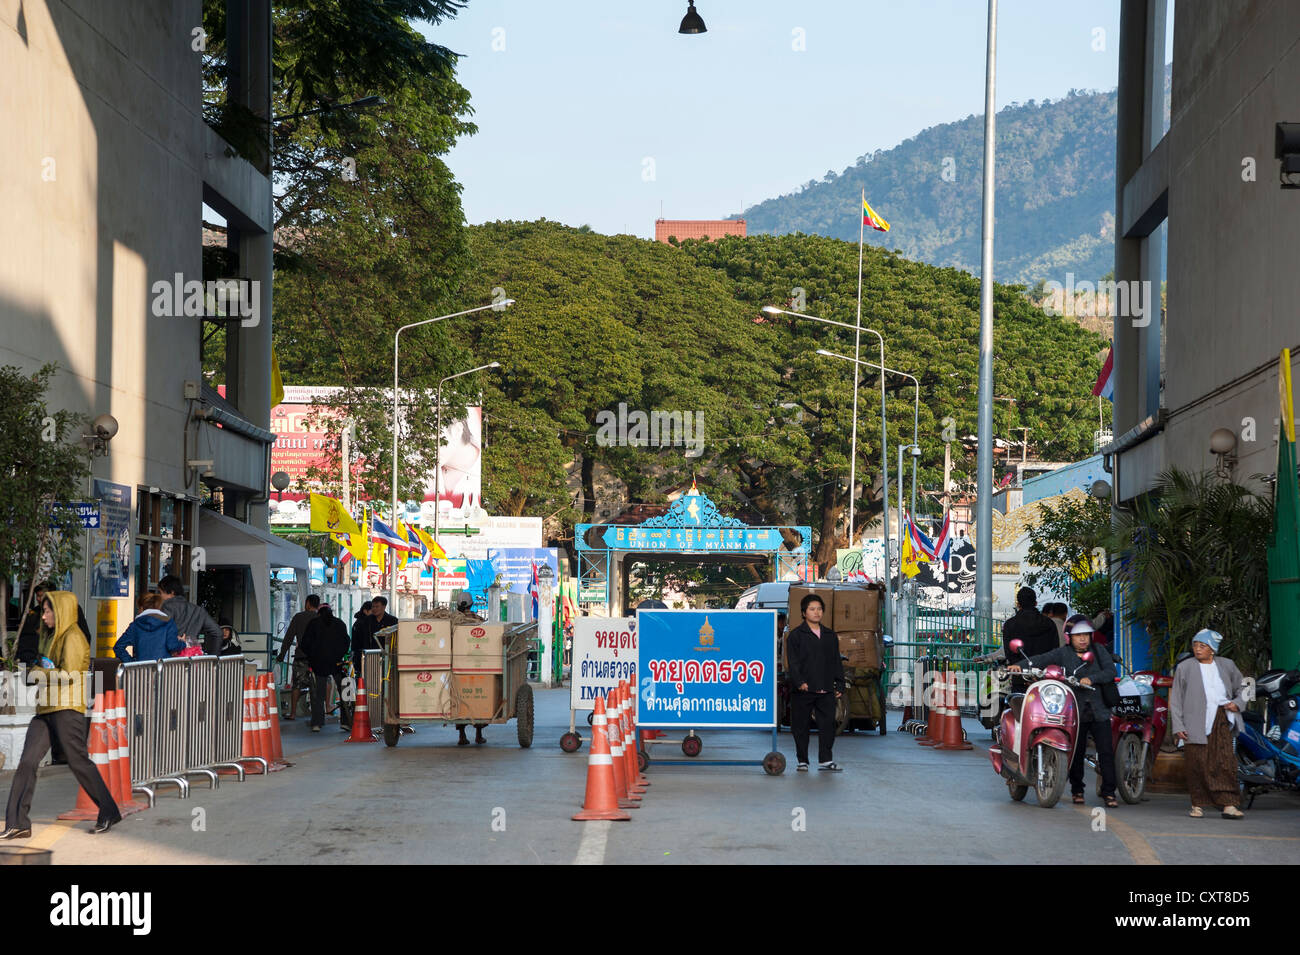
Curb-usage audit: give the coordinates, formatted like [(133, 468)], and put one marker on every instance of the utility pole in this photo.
[(1024, 444), (984, 469)]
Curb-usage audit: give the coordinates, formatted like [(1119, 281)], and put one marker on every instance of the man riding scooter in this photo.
[(1094, 715)]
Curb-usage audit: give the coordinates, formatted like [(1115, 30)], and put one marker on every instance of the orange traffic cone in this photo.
[(614, 735), (126, 801), (938, 715), (601, 801), (634, 787), (251, 737), (953, 737), (277, 747), (262, 695), (641, 780), (361, 717), (97, 745)]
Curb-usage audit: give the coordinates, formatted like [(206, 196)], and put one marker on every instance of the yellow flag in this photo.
[(401, 555), (429, 543), (1284, 387), (908, 562), (277, 383), (328, 515)]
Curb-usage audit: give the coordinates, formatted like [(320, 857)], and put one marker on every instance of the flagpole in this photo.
[(857, 356)]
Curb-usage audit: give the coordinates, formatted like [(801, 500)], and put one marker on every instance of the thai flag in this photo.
[(534, 589), (943, 543), (386, 535), (920, 542), (1105, 386)]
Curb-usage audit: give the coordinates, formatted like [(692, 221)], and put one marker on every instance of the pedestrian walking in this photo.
[(1205, 704), (301, 677), (324, 646), (816, 676), (195, 624), (1057, 613), (152, 635), (1094, 714), (363, 634), (61, 715)]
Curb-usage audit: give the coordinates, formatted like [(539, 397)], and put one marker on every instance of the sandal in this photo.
[(1111, 802), (1232, 812), (1077, 799), (1196, 812)]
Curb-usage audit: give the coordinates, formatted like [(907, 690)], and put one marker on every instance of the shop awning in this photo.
[(227, 542)]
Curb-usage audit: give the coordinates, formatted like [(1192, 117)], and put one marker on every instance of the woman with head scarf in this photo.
[(1205, 704), (61, 714)]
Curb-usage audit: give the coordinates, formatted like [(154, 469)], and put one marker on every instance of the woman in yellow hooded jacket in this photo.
[(61, 713)]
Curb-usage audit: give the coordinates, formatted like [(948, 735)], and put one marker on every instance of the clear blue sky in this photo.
[(583, 93)]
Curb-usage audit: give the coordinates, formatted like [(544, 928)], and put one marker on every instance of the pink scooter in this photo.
[(1037, 735)]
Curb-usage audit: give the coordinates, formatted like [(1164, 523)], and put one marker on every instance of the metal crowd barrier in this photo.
[(373, 671), (185, 718), (912, 665)]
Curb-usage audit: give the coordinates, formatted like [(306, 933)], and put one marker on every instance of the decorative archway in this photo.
[(691, 527)]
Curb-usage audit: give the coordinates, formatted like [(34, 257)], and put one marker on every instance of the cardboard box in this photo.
[(476, 696), (424, 644), (794, 616), (856, 609), (862, 649), (476, 647), (424, 693)]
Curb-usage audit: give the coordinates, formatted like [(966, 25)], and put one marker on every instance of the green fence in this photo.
[(936, 640)]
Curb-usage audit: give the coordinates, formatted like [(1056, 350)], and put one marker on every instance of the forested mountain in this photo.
[(600, 320), (1055, 193)]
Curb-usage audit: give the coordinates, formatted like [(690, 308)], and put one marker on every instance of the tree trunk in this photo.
[(824, 556), (588, 488)]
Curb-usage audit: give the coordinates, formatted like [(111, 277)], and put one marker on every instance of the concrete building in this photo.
[(1204, 192), (105, 169)]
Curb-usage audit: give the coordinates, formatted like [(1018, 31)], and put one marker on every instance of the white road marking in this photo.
[(591, 851)]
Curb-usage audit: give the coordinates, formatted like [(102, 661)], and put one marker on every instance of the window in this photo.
[(164, 540)]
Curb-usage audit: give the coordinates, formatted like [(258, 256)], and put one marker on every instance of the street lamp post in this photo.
[(437, 456), (497, 306), (916, 413), (853, 452), (984, 460)]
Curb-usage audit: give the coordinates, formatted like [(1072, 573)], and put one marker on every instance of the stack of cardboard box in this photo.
[(448, 670), (853, 612)]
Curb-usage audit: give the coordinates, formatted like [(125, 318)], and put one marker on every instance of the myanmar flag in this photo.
[(869, 217)]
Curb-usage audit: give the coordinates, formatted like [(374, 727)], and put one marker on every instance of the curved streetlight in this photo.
[(495, 306), (437, 462), (853, 452)]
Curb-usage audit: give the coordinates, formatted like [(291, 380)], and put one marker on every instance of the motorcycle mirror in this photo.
[(1087, 656), (1015, 645)]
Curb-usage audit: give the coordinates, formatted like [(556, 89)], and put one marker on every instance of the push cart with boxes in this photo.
[(457, 669)]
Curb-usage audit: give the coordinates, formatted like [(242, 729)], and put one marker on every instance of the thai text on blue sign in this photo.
[(707, 668), (87, 511)]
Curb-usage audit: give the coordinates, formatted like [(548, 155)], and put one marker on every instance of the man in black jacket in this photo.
[(363, 634), (324, 645), (1035, 630), (191, 620), (816, 676), (297, 629), (1094, 714)]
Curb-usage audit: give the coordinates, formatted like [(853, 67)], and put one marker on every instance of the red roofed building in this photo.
[(697, 228)]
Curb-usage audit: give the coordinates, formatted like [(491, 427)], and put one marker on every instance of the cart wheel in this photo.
[(570, 742), (642, 760), (590, 717), (524, 715), (392, 733), (774, 764), (692, 745)]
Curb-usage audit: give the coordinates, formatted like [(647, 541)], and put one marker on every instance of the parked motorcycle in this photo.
[(1138, 726), (1268, 748), (1038, 733)]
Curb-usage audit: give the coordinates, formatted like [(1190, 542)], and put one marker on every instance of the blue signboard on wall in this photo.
[(702, 668)]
